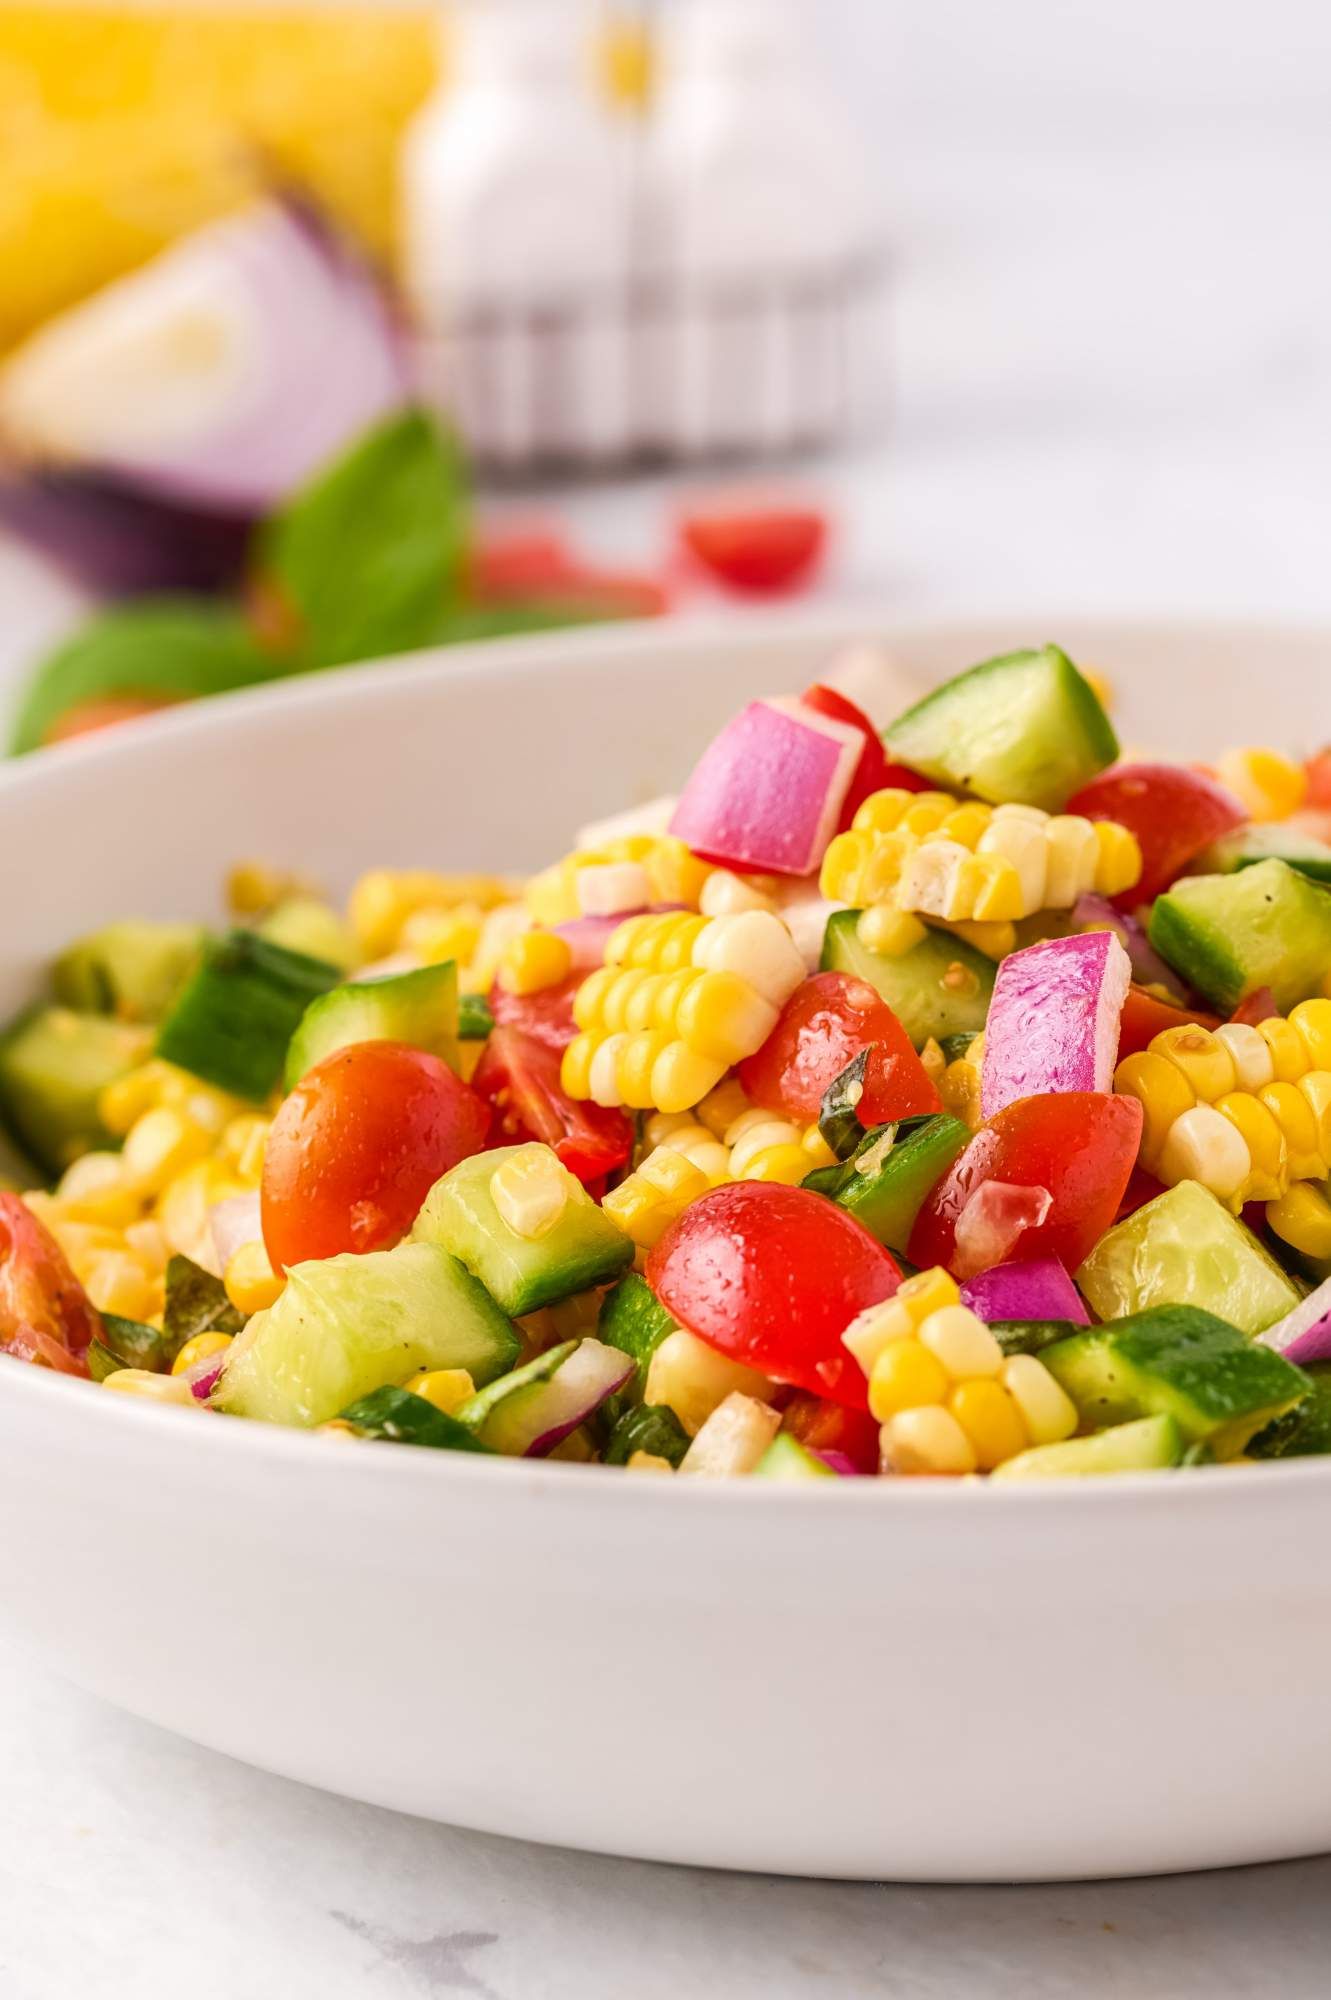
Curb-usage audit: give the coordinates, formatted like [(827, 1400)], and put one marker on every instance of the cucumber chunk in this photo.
[(529, 1412), (234, 1020), (1219, 1386), (883, 1185), (1152, 1444), (304, 924), (583, 1248), (650, 1427), (400, 1417), (347, 1325), (54, 1066), (1186, 1249), (1306, 1431), (633, 1319), (786, 1458), (133, 970), (1031, 1336), (1267, 925), (940, 987), (475, 1018), (1024, 729), (1252, 844), (418, 1008)]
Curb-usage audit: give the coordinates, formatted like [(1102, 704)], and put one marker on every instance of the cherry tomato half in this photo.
[(1318, 768), (824, 1025), (823, 1426), (1079, 1144), (1174, 813), (875, 771), (358, 1145), (752, 547), (45, 1314), (546, 1016), (519, 1075), (772, 1276), (1144, 1017)]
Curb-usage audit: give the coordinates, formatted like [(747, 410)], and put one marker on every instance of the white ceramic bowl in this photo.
[(904, 1680)]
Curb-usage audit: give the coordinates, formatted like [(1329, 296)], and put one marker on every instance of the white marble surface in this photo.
[(1113, 390)]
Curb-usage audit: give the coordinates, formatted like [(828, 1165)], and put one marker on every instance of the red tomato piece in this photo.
[(518, 562), (1318, 768), (823, 1426), (1079, 1144), (546, 1016), (875, 771), (1144, 1017), (358, 1145), (772, 1276), (823, 1026), (519, 1075), (1174, 813), (755, 548), (1260, 1005), (45, 1314)]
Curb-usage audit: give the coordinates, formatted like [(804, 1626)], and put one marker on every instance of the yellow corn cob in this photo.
[(384, 898), (958, 861), (1245, 1110), (669, 873), (679, 1000), (655, 1195), (947, 1398)]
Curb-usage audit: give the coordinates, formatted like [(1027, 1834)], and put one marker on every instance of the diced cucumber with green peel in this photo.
[(1151, 1444), (54, 1066), (1031, 1336), (347, 1325), (1306, 1431), (1219, 1386), (786, 1458), (885, 1181), (1184, 1248), (1276, 842), (940, 987), (582, 1248), (305, 924), (475, 1017), (650, 1427), (133, 969), (633, 1319), (419, 1008), (1024, 729), (533, 1409), (1267, 925), (401, 1417), (233, 1022)]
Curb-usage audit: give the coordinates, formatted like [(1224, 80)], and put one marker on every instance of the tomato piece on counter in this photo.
[(1144, 1017), (45, 1314), (754, 547), (518, 1075), (772, 1276), (1174, 813), (875, 770), (823, 1426), (537, 566), (546, 1016), (824, 1025), (1080, 1145), (358, 1145)]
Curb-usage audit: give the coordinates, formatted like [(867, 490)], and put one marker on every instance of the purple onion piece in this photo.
[(117, 543), (1314, 1345), (1040, 1289), (1148, 968), (838, 1462), (539, 1415), (1304, 1334), (1054, 1019)]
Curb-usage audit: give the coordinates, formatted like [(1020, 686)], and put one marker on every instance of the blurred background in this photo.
[(333, 331)]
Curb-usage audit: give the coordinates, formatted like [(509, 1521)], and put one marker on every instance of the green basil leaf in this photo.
[(178, 646), (368, 553)]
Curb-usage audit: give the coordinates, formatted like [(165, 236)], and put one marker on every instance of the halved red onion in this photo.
[(993, 1222), (222, 373), (1305, 1334)]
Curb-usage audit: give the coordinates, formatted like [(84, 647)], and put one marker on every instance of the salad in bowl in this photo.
[(948, 1103)]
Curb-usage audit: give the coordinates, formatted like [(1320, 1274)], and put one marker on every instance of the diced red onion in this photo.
[(233, 1222), (838, 1462), (766, 793), (1053, 1021), (1148, 968), (202, 1377), (287, 352), (993, 1222), (1305, 1334), (552, 1410), (1040, 1289), (117, 543), (586, 938)]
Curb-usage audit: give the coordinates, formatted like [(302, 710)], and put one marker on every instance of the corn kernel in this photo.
[(990, 1419), (906, 1376), (648, 1461), (201, 1348), (1250, 1053), (251, 1283), (160, 1145), (1199, 1056), (1047, 1411), (692, 1379), (1289, 1051), (676, 874), (961, 1342), (722, 1106), (384, 898), (447, 1389), (1268, 1154), (117, 1283), (436, 936), (253, 888), (884, 928), (533, 961), (785, 1165), (1268, 785), (183, 1208), (926, 1441), (156, 1388), (1203, 1145), (1312, 1021), (1163, 1092), (95, 1189), (531, 1190), (1294, 1115), (243, 1143), (722, 894), (1302, 1218)]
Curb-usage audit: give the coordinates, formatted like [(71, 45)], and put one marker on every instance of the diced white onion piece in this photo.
[(733, 1439)]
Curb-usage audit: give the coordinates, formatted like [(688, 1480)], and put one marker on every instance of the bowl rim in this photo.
[(602, 649)]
